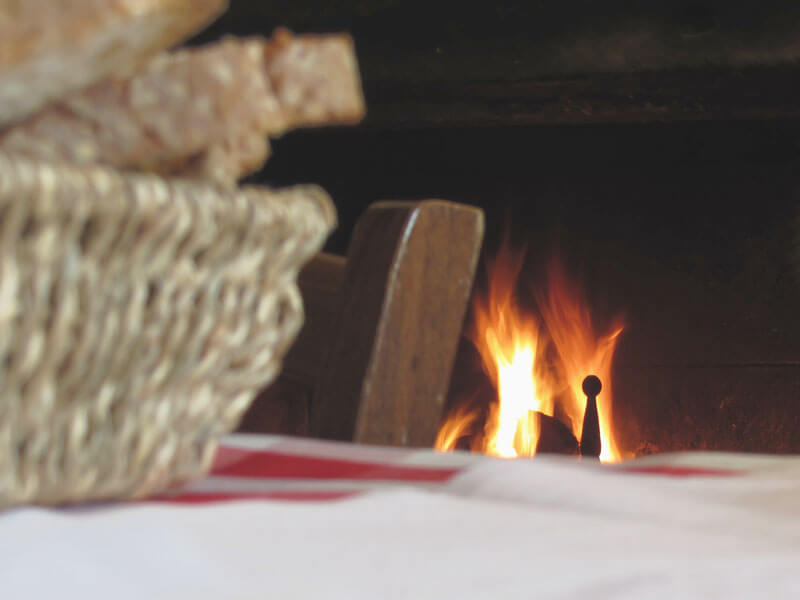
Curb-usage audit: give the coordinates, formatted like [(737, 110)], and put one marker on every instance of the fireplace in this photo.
[(666, 180), (688, 229), (542, 350)]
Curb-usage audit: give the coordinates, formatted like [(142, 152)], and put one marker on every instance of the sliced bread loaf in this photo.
[(204, 111), (51, 47)]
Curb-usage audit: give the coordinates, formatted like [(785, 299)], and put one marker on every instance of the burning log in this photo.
[(555, 437), (537, 362)]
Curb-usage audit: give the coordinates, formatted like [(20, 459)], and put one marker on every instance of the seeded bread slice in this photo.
[(203, 112), (52, 47)]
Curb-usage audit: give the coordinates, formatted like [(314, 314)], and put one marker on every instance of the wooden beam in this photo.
[(431, 63), (436, 40), (408, 279), (768, 92)]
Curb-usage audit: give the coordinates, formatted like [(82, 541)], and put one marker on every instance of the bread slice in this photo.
[(51, 47), (203, 112)]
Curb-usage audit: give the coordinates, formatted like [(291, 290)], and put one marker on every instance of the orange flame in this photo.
[(535, 363)]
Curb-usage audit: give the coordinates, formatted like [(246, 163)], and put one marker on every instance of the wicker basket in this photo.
[(138, 318)]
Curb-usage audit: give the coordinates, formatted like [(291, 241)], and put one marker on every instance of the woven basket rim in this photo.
[(140, 317), (172, 199)]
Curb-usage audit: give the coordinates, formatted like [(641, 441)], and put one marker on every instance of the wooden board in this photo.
[(408, 278)]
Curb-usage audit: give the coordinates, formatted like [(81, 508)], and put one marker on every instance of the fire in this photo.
[(536, 363)]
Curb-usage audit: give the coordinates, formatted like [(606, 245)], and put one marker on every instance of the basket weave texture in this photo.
[(138, 318)]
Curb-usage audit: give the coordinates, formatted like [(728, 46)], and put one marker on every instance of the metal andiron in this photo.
[(590, 445)]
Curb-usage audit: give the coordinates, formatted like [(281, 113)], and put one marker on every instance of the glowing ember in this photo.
[(535, 364)]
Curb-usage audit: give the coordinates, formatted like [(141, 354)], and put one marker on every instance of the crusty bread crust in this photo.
[(52, 47), (202, 112)]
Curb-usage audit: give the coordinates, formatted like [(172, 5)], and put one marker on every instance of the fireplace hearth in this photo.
[(553, 436), (688, 228), (669, 179)]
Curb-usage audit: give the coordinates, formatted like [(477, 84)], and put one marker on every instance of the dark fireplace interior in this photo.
[(667, 176)]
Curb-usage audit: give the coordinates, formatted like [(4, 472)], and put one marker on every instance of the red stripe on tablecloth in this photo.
[(236, 462), (681, 471), (208, 497)]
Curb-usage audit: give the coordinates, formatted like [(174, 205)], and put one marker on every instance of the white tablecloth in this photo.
[(284, 518)]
